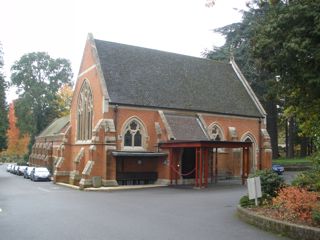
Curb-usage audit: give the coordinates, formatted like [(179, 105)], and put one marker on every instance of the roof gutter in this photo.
[(181, 109)]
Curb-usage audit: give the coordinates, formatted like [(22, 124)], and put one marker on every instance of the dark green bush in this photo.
[(246, 202), (271, 182), (315, 215), (308, 179)]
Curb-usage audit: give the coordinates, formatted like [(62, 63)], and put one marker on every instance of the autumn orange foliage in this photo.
[(295, 203), (17, 145), (64, 98)]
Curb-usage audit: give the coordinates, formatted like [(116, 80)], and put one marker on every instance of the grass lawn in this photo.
[(292, 161)]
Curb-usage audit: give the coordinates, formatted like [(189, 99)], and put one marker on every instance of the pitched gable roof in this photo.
[(151, 78), (56, 127), (185, 127)]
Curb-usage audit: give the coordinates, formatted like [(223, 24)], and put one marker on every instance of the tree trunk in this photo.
[(272, 126), (304, 146), (287, 137), (291, 138)]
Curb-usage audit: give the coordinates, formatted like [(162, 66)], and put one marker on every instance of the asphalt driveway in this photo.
[(42, 210)]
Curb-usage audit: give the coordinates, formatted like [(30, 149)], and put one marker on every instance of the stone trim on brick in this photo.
[(233, 134), (87, 169), (166, 125), (85, 183), (203, 124), (79, 156), (108, 183), (75, 175), (59, 162), (294, 231), (62, 173), (101, 78)]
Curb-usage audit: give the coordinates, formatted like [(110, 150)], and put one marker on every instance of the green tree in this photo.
[(38, 78), (287, 45), (3, 108), (238, 45), (277, 48)]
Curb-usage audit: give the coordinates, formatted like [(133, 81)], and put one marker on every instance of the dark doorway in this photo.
[(188, 163)]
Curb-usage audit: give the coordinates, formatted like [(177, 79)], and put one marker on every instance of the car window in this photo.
[(42, 170)]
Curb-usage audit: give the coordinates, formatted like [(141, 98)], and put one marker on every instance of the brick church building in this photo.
[(141, 116)]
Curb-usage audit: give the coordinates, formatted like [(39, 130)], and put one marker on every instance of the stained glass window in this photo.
[(215, 133), (133, 136), (84, 116)]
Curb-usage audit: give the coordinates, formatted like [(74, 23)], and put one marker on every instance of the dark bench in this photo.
[(136, 178)]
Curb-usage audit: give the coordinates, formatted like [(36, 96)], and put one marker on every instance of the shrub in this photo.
[(309, 180), (246, 202), (295, 203), (271, 182), (316, 216)]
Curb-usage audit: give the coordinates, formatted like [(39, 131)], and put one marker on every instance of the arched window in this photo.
[(215, 132), (84, 115), (134, 135)]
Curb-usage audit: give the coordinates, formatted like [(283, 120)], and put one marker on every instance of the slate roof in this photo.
[(56, 127), (152, 78), (185, 127)]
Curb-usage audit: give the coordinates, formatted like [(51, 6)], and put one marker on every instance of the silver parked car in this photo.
[(27, 172), (15, 169), (9, 166), (40, 173), (21, 170)]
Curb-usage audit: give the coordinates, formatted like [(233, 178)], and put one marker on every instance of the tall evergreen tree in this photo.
[(277, 47), (287, 45), (239, 38), (3, 108)]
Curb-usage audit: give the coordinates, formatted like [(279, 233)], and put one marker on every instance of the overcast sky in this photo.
[(60, 27)]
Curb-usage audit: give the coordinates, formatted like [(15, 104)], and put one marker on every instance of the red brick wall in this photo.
[(90, 74), (105, 166), (147, 117)]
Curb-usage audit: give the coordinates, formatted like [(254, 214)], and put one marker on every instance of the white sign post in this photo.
[(254, 188)]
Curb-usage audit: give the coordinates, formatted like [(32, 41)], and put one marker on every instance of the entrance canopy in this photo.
[(137, 154), (203, 144), (203, 148)]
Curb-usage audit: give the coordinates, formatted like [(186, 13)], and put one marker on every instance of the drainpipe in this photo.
[(51, 159), (260, 146), (116, 110)]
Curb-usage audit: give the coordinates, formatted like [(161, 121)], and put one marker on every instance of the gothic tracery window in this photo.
[(215, 133), (85, 110), (133, 135)]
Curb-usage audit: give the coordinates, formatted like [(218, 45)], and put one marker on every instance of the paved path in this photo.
[(290, 175), (42, 210)]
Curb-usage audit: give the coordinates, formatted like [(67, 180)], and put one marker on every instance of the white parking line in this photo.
[(43, 189)]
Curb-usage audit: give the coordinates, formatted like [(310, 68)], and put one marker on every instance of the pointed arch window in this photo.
[(84, 113), (134, 135), (215, 133)]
